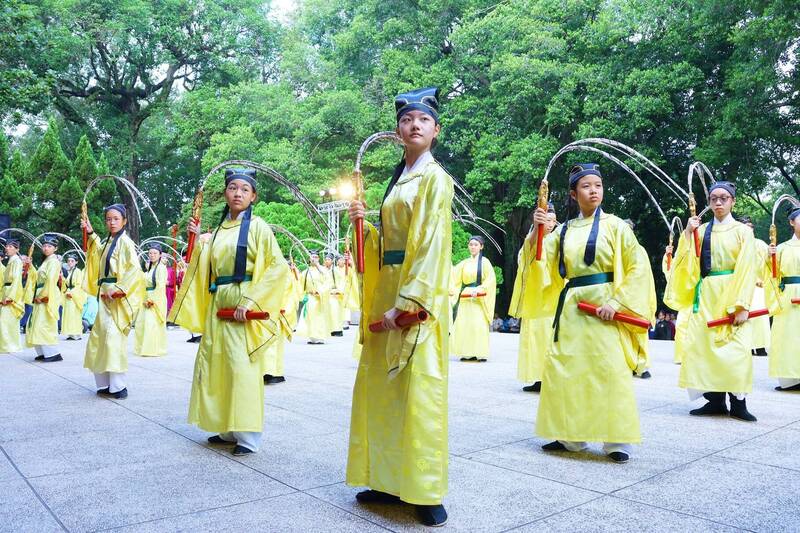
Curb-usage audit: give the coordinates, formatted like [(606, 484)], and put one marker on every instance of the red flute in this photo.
[(729, 319), (773, 240), (480, 294), (697, 242), (774, 266), (796, 300), (541, 203), (190, 243), (226, 313), (619, 317), (404, 320), (669, 262)]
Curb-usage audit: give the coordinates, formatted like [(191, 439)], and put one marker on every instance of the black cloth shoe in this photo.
[(241, 450), (216, 439), (792, 388), (39, 358), (536, 387), (645, 375), (715, 406), (272, 380), (554, 446), (53, 358), (103, 392), (120, 395), (481, 359), (337, 334), (739, 409), (432, 515), (376, 496), (760, 352), (619, 457), (195, 340)]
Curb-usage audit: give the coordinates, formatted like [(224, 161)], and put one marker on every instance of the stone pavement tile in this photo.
[(168, 485), (590, 470), (81, 452), (741, 494), (296, 512), (323, 402), (302, 462), (471, 432), (522, 408), (780, 448), (7, 470), (481, 498), (22, 512), (611, 515)]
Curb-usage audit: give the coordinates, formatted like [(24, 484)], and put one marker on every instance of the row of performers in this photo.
[(237, 283)]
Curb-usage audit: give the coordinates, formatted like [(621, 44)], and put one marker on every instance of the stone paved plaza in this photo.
[(72, 461)]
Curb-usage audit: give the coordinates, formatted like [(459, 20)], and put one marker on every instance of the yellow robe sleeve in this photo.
[(50, 290), (739, 293), (270, 274), (30, 284), (78, 294), (634, 287), (428, 245), (93, 251), (455, 282), (129, 281), (14, 292), (543, 283), (191, 303), (489, 286), (685, 274), (158, 296)]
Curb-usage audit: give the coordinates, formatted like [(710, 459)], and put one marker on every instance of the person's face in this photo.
[(795, 224), (661, 316), (551, 222), (417, 130), (721, 203), (153, 255), (314, 260), (328, 262), (48, 250), (71, 262), (588, 192), (11, 250), (474, 247), (114, 221), (239, 194), (340, 262)]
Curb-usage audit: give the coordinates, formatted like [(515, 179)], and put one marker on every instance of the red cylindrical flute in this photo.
[(697, 242), (226, 313), (669, 262), (796, 300), (773, 240), (404, 320), (544, 193), (619, 317), (479, 295), (729, 319), (774, 266)]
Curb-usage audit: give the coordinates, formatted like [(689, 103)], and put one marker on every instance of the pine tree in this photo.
[(14, 199)]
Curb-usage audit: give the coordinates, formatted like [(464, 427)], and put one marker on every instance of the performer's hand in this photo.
[(26, 260), (606, 312), (357, 211), (193, 226), (668, 249), (540, 216), (69, 296), (740, 317), (773, 249), (389, 318), (240, 315), (692, 224), (148, 304), (85, 224)]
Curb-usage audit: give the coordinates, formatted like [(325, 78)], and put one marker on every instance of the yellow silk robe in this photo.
[(470, 331), (336, 310), (761, 333), (10, 314), (42, 328), (107, 349), (682, 323), (72, 315), (535, 333), (315, 321), (718, 359), (784, 357), (352, 300), (587, 389), (150, 335), (288, 320), (228, 387), (398, 427)]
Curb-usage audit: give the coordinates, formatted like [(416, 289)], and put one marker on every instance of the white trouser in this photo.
[(788, 382), (608, 447), (249, 439), (695, 394), (46, 350), (113, 381)]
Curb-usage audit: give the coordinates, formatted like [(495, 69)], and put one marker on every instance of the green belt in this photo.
[(39, 285), (580, 281), (789, 280), (226, 280), (696, 303), (150, 288), (106, 280), (7, 284), (394, 257)]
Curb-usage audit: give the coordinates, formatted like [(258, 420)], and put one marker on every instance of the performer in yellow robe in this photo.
[(474, 278), (150, 334), (784, 357), (239, 268), (42, 331), (718, 284), (587, 391), (74, 300), (760, 325), (314, 321), (273, 369), (352, 297), (12, 299), (344, 275), (682, 323), (398, 428), (114, 275), (535, 334), (335, 297)]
